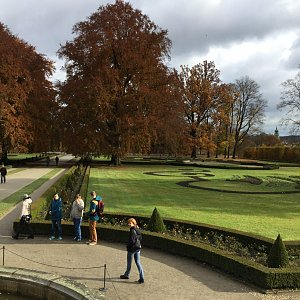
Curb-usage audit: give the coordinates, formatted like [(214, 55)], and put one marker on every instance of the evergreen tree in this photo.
[(278, 256), (156, 223)]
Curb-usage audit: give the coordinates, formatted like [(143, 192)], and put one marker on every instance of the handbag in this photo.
[(26, 219), (137, 245)]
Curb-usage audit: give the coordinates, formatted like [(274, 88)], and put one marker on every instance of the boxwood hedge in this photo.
[(249, 271)]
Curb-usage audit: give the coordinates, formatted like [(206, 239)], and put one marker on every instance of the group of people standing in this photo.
[(76, 214)]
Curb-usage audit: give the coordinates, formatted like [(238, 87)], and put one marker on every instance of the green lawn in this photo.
[(10, 202), (18, 156), (128, 189)]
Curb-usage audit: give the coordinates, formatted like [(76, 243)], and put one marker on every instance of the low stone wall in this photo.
[(47, 286)]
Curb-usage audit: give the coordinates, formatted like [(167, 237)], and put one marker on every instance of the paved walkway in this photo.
[(167, 277)]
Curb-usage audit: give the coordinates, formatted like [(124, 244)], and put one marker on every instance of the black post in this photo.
[(3, 255), (104, 280)]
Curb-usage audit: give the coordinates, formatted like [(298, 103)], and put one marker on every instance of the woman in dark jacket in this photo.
[(134, 250)]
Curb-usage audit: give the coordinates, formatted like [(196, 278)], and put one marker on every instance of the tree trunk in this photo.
[(234, 150), (115, 160), (194, 152), (4, 154)]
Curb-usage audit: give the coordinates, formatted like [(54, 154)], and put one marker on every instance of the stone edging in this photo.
[(44, 285)]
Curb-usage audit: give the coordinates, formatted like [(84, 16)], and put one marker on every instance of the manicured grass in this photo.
[(128, 189), (8, 203), (18, 156)]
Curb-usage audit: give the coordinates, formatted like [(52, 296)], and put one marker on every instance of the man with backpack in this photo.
[(95, 213)]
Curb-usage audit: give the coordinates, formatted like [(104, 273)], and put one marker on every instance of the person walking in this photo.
[(24, 224), (56, 216), (3, 172), (56, 160), (76, 215), (48, 161), (134, 250), (93, 218)]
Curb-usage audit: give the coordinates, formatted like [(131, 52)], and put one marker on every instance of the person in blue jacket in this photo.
[(93, 218), (56, 216)]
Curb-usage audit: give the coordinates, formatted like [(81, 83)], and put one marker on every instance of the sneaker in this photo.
[(141, 281), (51, 238), (75, 238), (79, 240), (59, 238), (124, 277), (92, 243)]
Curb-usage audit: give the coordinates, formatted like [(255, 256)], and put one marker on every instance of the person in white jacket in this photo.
[(25, 218)]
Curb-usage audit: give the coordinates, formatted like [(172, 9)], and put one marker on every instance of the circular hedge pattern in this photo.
[(196, 176)]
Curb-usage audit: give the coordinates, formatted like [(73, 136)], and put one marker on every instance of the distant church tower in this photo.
[(276, 133)]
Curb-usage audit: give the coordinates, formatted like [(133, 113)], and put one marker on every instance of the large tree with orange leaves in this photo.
[(24, 90), (206, 103), (117, 91)]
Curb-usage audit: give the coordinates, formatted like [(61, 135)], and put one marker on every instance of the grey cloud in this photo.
[(197, 25), (194, 26), (294, 60)]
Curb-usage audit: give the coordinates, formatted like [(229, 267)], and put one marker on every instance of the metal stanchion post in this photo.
[(3, 255), (104, 280)]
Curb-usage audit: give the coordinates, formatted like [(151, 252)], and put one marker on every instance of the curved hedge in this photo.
[(263, 277), (243, 237)]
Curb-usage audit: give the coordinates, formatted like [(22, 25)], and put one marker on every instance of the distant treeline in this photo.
[(275, 153)]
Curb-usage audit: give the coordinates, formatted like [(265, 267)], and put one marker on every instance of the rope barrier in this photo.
[(113, 285), (58, 267), (52, 266)]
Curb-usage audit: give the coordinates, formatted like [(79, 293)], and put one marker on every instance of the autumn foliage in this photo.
[(207, 105), (24, 92), (118, 90), (119, 95)]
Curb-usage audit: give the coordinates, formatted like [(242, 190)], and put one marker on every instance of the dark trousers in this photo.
[(24, 227), (56, 224), (3, 179)]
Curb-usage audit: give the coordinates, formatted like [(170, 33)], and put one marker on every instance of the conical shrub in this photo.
[(156, 223), (278, 256)]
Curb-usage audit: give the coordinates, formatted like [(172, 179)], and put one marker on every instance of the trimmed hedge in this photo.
[(67, 186), (85, 183), (243, 237), (278, 256), (261, 276), (41, 205), (156, 223)]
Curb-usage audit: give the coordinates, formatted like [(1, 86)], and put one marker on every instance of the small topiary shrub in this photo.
[(278, 256), (156, 223)]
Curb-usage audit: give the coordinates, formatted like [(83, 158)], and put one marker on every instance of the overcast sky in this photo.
[(258, 38)]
